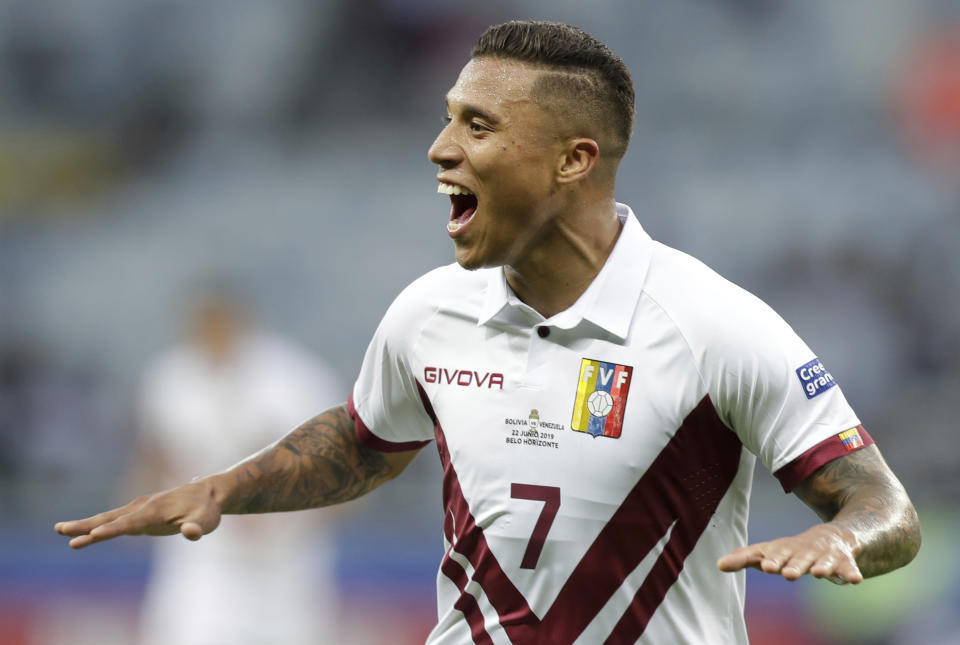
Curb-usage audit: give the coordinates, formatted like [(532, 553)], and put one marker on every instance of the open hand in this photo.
[(189, 509), (824, 551)]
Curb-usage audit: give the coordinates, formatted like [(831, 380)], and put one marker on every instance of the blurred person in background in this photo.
[(206, 403), (611, 527)]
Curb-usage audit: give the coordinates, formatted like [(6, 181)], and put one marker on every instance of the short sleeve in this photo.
[(386, 405), (776, 394)]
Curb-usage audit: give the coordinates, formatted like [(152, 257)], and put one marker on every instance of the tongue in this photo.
[(467, 214), (463, 208)]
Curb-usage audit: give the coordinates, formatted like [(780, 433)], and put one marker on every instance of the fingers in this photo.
[(92, 529), (839, 573), (98, 534), (192, 531), (747, 556), (781, 560), (766, 557), (798, 565), (137, 524), (812, 552), (188, 510), (102, 527), (84, 526), (202, 520)]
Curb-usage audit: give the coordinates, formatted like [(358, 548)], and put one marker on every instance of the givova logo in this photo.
[(815, 378)]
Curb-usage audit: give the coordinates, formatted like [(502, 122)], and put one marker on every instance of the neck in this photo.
[(554, 274)]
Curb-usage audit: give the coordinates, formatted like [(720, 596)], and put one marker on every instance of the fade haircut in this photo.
[(582, 76)]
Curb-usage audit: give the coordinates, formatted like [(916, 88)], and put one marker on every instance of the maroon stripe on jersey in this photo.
[(371, 440), (682, 488), (831, 448), (519, 621), (684, 484), (466, 603), (458, 524)]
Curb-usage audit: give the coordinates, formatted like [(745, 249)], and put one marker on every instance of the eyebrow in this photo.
[(470, 110)]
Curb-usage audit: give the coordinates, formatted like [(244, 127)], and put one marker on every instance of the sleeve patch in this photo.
[(851, 439), (815, 378)]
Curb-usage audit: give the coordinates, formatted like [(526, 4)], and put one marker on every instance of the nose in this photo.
[(445, 152)]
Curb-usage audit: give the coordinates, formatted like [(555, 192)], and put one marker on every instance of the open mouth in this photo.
[(463, 205)]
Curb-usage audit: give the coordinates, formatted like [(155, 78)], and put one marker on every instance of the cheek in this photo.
[(518, 173)]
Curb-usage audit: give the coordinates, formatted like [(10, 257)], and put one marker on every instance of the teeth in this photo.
[(452, 189), (453, 225)]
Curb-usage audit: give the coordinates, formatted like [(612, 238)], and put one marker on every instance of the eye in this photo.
[(446, 120), (478, 128)]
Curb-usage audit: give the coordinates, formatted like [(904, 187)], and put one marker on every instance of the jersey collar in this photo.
[(609, 302)]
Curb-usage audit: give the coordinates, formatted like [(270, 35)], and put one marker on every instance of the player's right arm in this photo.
[(320, 463)]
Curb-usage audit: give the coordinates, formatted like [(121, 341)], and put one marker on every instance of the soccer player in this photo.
[(597, 399), (226, 389)]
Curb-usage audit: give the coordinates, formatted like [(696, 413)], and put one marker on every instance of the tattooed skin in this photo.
[(320, 463), (859, 493)]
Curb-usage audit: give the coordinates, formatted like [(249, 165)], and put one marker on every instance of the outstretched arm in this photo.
[(870, 526), (320, 463)]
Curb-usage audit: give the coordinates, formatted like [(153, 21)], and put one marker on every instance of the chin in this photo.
[(473, 261), (468, 263), (474, 254)]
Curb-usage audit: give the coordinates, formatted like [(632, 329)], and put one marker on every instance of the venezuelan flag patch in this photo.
[(851, 439), (601, 398)]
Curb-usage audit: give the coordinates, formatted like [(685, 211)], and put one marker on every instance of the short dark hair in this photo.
[(587, 73)]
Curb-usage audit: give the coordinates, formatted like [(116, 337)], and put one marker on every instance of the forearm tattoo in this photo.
[(320, 463), (859, 492)]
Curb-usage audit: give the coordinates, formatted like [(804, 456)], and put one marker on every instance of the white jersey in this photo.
[(596, 464), (256, 579)]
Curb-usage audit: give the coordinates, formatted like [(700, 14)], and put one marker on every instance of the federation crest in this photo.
[(602, 391)]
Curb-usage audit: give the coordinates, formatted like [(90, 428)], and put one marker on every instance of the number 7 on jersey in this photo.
[(550, 496)]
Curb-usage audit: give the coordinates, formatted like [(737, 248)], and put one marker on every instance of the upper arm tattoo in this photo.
[(858, 492), (320, 463)]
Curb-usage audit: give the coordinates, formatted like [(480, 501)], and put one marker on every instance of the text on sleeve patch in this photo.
[(815, 378)]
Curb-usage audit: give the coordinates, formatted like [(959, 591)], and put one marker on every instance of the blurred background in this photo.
[(809, 151)]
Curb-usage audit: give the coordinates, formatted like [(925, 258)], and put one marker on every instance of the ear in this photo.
[(578, 159)]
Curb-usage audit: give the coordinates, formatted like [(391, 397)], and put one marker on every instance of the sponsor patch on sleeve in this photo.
[(815, 378), (851, 439)]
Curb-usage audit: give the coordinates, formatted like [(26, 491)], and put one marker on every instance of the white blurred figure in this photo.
[(204, 405)]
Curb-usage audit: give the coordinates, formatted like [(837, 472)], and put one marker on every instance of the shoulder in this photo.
[(714, 315), (449, 287)]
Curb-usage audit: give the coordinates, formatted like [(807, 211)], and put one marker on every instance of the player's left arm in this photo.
[(869, 525)]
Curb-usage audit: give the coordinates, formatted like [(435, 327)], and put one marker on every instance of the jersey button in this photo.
[(543, 332)]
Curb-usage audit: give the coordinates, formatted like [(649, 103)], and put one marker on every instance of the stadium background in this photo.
[(808, 150)]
